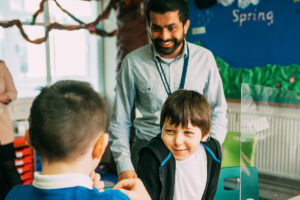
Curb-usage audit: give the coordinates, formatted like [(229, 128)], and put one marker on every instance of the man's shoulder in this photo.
[(141, 52), (25, 192), (194, 48)]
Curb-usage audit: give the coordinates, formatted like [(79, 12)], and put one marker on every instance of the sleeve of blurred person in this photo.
[(7, 84), (7, 92)]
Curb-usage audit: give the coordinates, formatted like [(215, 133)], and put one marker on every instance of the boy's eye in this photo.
[(188, 133), (170, 131)]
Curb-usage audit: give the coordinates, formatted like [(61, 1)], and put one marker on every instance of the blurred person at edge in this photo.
[(8, 173)]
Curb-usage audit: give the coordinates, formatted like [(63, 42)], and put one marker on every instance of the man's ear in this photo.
[(186, 26), (100, 146)]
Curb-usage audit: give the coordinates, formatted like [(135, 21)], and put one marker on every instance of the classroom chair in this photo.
[(246, 187), (233, 150)]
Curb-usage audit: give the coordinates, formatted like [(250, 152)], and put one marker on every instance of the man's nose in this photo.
[(165, 35)]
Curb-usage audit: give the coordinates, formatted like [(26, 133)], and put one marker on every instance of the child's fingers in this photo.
[(96, 178), (100, 186), (97, 183), (92, 174)]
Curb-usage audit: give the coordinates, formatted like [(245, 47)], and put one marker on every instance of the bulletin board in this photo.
[(254, 41)]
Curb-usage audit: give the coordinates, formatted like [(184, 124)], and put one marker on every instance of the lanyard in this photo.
[(163, 75)]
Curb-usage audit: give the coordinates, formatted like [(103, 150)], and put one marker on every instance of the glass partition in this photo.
[(269, 143)]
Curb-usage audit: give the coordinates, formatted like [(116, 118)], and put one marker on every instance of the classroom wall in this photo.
[(255, 42)]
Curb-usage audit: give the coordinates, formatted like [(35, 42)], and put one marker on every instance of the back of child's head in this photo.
[(184, 106), (65, 118)]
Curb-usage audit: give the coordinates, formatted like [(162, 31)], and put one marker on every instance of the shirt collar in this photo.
[(156, 54), (58, 181)]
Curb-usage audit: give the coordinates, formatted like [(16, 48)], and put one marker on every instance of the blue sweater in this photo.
[(29, 192)]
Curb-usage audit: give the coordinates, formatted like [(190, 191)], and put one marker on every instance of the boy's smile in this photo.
[(182, 142)]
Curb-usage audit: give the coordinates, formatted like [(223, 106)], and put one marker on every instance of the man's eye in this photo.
[(156, 29), (188, 133), (171, 28)]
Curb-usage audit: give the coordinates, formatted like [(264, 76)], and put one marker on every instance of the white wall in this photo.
[(108, 57)]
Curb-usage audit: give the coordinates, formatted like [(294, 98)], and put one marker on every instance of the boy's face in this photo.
[(182, 142)]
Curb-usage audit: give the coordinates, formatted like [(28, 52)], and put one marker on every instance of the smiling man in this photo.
[(151, 73), (168, 32)]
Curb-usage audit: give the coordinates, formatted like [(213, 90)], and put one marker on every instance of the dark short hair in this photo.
[(65, 118), (184, 106), (163, 6)]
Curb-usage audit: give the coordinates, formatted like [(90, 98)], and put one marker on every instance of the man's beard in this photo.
[(169, 50)]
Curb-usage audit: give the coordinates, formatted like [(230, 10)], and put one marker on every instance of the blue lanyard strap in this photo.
[(163, 75), (185, 65)]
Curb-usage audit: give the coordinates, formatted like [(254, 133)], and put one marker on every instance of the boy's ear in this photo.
[(204, 138), (27, 138), (100, 146)]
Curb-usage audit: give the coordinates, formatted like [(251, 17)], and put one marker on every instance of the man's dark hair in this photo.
[(65, 118), (184, 106), (163, 6)]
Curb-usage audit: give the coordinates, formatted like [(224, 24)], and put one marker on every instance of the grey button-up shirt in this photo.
[(139, 84)]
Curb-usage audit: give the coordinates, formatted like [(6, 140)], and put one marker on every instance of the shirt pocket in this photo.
[(150, 96), (145, 87)]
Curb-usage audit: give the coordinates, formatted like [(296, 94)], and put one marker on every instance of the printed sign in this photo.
[(249, 33)]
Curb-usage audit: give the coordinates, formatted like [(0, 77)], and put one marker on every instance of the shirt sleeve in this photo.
[(148, 172), (214, 93), (120, 122), (10, 88)]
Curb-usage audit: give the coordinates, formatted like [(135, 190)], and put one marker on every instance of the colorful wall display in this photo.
[(254, 41)]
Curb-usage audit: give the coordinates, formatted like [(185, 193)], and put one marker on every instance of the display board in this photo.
[(254, 41)]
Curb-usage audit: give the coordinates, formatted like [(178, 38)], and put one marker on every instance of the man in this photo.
[(151, 73)]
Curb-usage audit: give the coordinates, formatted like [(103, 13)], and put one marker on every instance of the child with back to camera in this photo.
[(67, 128), (182, 162)]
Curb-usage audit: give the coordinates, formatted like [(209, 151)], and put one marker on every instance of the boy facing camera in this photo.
[(67, 128), (182, 162)]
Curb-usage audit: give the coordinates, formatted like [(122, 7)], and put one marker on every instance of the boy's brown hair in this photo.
[(65, 118), (184, 106)]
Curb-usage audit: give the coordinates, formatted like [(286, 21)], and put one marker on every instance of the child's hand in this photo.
[(97, 183), (133, 188)]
